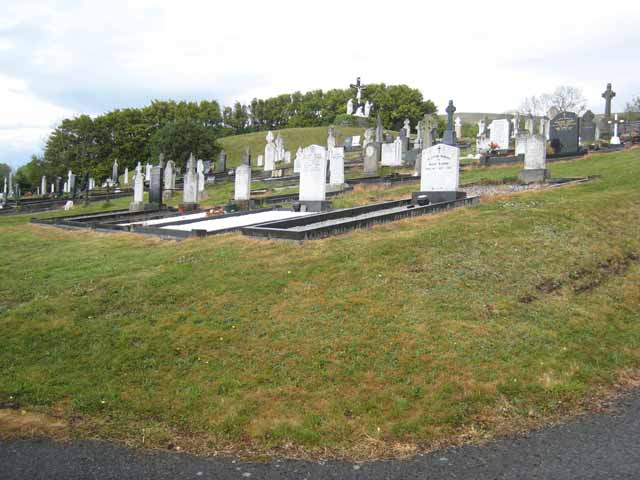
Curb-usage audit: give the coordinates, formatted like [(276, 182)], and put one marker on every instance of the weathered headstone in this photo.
[(201, 185), (287, 157), (535, 158), (564, 132), (222, 162), (331, 138), (521, 143), (371, 158), (279, 148), (138, 190), (587, 128), (155, 186), (499, 133), (114, 172), (243, 183), (260, 160), (190, 189), (336, 166)]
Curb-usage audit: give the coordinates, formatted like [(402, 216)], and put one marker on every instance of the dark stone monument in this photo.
[(605, 127), (59, 186), (587, 128), (155, 186), (449, 137), (222, 162), (73, 188), (563, 135)]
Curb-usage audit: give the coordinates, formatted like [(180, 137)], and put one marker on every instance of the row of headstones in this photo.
[(565, 132)]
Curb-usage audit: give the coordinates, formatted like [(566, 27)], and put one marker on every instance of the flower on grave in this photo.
[(494, 146)]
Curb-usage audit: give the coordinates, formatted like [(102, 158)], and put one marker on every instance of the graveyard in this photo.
[(513, 310)]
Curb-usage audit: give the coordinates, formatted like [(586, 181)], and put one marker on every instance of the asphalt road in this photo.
[(599, 446)]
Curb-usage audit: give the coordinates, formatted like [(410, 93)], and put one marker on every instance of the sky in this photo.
[(63, 58)]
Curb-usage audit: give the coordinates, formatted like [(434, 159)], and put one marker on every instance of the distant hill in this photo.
[(293, 138)]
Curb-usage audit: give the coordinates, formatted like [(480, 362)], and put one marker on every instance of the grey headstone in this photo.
[(564, 132)]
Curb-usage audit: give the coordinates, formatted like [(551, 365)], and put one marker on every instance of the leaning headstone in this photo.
[(440, 174), (499, 134), (336, 166), (563, 134), (313, 171), (587, 128), (535, 160), (243, 183)]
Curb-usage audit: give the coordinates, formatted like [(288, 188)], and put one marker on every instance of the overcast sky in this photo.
[(63, 58)]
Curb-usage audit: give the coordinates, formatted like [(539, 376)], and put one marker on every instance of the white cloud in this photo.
[(91, 57)]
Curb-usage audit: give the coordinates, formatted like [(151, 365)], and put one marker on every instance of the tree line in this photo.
[(131, 135)]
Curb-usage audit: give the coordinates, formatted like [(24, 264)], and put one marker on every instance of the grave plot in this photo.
[(171, 224), (341, 221)]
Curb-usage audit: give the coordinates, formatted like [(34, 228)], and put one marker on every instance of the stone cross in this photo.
[(450, 111), (608, 96), (407, 127), (359, 87)]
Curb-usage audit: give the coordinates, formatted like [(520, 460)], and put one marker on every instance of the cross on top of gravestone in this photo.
[(608, 96)]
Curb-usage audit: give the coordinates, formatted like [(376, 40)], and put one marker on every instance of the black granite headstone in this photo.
[(155, 186), (563, 134), (59, 186), (587, 128)]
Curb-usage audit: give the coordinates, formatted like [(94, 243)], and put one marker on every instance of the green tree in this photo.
[(4, 170), (177, 140), (29, 175), (633, 106)]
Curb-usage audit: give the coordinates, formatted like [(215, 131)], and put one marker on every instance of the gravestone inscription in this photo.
[(563, 133)]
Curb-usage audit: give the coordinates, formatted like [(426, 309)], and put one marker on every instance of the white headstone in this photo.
[(355, 141), (43, 185), (458, 127), (279, 148), (65, 187), (500, 133), (260, 160), (440, 169), (392, 153), (200, 170), (126, 175), (147, 173), (336, 166), (535, 157), (407, 127), (313, 173), (168, 176), (190, 191), (287, 157), (243, 183), (138, 185)]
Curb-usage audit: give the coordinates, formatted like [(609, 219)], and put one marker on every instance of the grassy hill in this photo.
[(427, 331), (293, 138)]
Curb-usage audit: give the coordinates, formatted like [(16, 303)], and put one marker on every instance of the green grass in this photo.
[(462, 325)]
